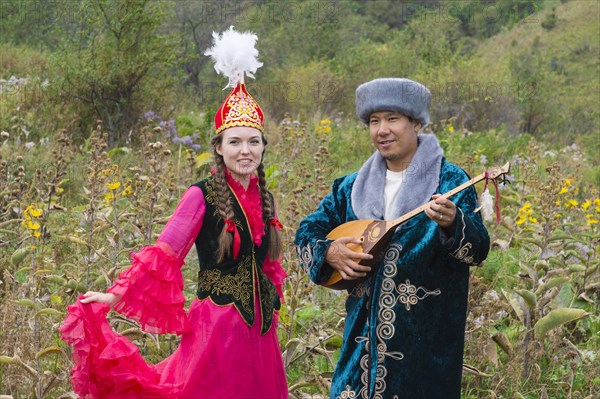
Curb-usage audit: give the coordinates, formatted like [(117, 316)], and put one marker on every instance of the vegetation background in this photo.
[(106, 114)]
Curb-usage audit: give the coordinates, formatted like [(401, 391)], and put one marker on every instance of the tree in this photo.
[(115, 60), (529, 75), (18, 16)]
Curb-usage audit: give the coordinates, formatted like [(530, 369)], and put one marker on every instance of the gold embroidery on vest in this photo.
[(235, 285), (212, 197), (266, 299)]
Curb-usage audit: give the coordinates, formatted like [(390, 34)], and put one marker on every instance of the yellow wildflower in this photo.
[(128, 190), (324, 126), (36, 234), (36, 213), (563, 190), (109, 197), (32, 225), (571, 203), (525, 213), (32, 211), (590, 219), (451, 129), (568, 182), (113, 186), (586, 205)]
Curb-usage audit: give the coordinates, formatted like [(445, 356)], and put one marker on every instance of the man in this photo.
[(404, 329)]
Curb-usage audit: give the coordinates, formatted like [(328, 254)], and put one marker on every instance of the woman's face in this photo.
[(241, 148)]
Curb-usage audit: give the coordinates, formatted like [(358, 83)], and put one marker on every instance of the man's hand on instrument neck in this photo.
[(345, 261), (443, 212)]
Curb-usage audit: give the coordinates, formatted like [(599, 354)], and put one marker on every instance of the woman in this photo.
[(229, 346)]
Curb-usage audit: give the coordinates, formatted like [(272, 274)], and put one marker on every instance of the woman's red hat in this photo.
[(239, 109), (235, 56)]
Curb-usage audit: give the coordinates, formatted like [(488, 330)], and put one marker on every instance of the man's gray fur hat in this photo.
[(406, 96)]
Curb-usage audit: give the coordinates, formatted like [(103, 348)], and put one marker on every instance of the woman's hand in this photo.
[(345, 260), (102, 297)]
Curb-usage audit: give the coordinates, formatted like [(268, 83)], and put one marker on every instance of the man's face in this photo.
[(395, 136)]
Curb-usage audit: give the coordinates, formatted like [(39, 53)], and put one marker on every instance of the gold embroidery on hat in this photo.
[(242, 107)]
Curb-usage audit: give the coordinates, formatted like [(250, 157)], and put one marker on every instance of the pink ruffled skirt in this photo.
[(219, 357)]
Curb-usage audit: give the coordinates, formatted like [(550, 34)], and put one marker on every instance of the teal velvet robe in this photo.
[(404, 329)]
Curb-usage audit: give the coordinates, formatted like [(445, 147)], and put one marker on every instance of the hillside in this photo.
[(517, 69), (563, 61)]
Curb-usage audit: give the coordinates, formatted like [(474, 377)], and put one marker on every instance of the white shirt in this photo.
[(393, 182)]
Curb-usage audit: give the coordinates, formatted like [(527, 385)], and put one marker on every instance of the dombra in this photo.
[(375, 235)]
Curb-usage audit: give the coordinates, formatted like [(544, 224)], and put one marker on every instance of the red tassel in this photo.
[(237, 242), (275, 222)]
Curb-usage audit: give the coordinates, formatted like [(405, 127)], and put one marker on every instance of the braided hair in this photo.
[(225, 207), (269, 213)]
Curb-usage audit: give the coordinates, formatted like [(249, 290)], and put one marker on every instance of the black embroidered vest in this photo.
[(233, 281)]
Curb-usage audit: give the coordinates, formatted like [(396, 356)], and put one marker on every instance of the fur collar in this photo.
[(422, 181)]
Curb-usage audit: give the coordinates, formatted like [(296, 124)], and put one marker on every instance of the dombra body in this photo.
[(375, 235)]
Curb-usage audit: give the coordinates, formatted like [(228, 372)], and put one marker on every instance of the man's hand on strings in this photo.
[(345, 261)]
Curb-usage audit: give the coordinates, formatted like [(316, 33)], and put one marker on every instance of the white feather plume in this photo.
[(487, 205), (234, 55)]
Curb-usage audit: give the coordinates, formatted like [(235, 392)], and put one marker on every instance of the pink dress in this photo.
[(219, 357)]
